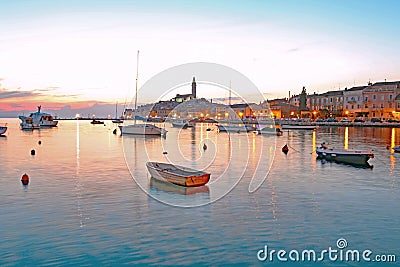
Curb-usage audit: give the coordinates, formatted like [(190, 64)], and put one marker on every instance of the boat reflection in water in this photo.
[(176, 189), (365, 165)]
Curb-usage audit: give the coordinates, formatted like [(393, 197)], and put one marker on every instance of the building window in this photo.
[(366, 106), (347, 107), (347, 98), (374, 97), (352, 106), (366, 98), (358, 98), (381, 105), (358, 106), (331, 99), (383, 97), (373, 106), (390, 97)]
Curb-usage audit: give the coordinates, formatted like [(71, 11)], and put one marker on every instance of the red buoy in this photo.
[(285, 149), (25, 179)]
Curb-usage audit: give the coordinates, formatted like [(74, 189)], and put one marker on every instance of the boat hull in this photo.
[(38, 120), (298, 127), (140, 129), (180, 125), (235, 128), (350, 157), (396, 149), (270, 131), (3, 130), (177, 174)]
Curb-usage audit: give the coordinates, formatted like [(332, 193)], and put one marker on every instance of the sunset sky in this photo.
[(76, 53)]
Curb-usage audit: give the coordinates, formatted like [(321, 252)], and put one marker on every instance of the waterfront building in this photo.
[(353, 102), (379, 99), (242, 110), (329, 104)]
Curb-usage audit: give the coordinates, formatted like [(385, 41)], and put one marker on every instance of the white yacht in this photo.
[(39, 118)]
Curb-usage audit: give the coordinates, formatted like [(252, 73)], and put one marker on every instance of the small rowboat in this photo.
[(177, 174)]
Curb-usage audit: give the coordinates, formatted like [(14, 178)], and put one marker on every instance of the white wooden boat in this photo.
[(40, 118), (396, 149), (3, 129), (351, 156), (177, 174)]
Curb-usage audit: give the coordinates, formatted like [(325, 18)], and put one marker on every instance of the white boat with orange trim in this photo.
[(178, 175)]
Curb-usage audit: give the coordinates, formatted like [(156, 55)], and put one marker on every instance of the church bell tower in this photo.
[(194, 88)]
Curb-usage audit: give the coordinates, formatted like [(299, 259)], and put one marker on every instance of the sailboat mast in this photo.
[(137, 77), (230, 92)]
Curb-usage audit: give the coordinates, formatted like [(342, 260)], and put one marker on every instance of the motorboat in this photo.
[(270, 130), (3, 129), (40, 118), (396, 149), (178, 175), (234, 128), (351, 156), (96, 122), (182, 123)]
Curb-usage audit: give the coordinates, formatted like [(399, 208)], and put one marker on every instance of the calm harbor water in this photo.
[(83, 207)]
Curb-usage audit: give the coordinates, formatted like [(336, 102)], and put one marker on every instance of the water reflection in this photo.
[(346, 138), (356, 165), (155, 184)]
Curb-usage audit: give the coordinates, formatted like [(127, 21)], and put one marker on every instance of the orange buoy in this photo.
[(285, 149), (33, 152), (25, 179)]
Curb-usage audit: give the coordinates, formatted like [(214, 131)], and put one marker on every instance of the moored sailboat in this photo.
[(144, 128)]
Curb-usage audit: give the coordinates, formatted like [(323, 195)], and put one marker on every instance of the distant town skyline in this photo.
[(78, 53)]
